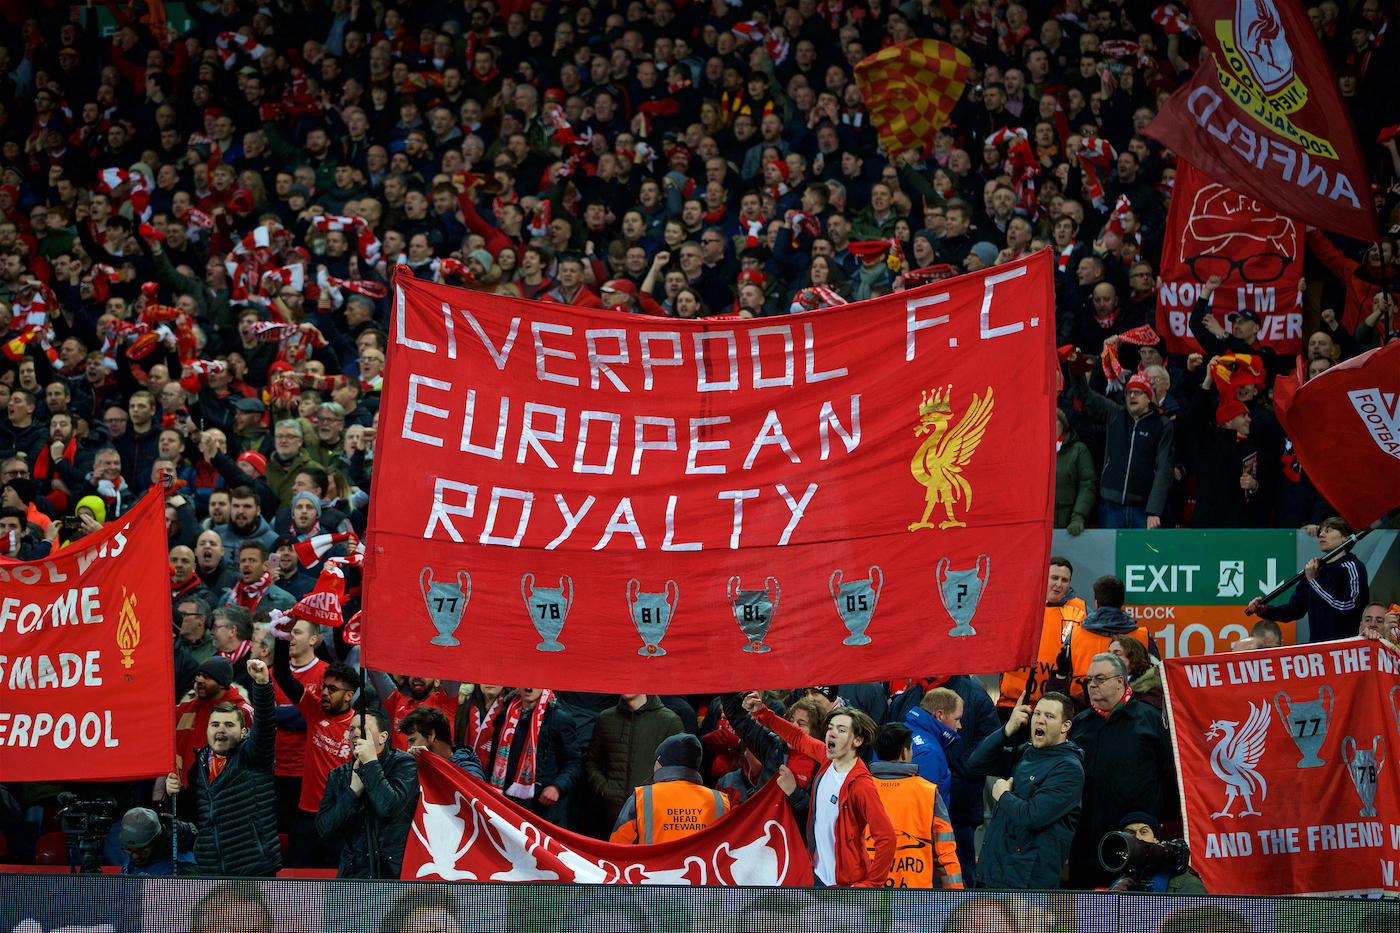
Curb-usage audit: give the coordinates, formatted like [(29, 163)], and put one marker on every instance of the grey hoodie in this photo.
[(233, 539)]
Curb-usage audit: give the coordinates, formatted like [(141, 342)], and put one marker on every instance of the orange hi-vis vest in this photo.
[(671, 810), (926, 855), (1058, 620), (1084, 644)]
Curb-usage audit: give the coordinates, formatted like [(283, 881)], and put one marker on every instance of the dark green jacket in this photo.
[(237, 813), (1076, 483), (622, 753), (1032, 824)]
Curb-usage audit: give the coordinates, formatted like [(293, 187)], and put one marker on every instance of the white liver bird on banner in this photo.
[(1235, 757)]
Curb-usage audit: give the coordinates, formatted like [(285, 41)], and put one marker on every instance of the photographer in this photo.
[(231, 785), (146, 840), (1154, 867)]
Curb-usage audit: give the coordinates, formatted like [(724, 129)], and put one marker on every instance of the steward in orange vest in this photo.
[(675, 802), (1100, 627), (1062, 609), (926, 854)]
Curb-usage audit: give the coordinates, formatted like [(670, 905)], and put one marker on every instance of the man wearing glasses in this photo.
[(1127, 766)]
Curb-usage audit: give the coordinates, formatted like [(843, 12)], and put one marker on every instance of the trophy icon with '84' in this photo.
[(754, 610)]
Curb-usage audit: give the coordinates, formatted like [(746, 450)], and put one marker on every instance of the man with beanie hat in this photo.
[(213, 684), (147, 845), (674, 802), (1146, 828), (1138, 461)]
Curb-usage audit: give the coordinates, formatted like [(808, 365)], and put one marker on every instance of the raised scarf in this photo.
[(523, 788), (248, 595), (41, 462)]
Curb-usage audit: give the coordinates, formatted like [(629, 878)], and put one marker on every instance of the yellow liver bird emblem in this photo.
[(939, 461)]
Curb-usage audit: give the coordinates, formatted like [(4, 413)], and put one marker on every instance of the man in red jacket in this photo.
[(845, 803)]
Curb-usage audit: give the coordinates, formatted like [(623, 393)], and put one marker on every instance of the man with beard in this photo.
[(184, 582), (245, 524), (255, 588), (326, 707), (212, 686), (412, 693), (288, 572), (231, 780), (307, 668), (214, 574)]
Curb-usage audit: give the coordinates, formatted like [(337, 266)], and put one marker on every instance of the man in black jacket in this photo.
[(1333, 592), (230, 788), (369, 802), (1138, 460)]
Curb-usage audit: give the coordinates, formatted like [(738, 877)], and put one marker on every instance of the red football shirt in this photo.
[(399, 705), (327, 746), (291, 743)]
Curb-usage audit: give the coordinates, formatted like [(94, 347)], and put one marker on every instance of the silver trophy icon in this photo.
[(1393, 708), (1307, 723), (961, 591), (753, 610), (651, 614), (855, 603), (446, 603), (1364, 765), (548, 609)]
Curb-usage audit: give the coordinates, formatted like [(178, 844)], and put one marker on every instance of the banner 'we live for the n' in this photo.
[(592, 500), (1286, 762)]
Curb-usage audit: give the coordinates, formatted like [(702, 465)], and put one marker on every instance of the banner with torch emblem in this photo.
[(87, 676)]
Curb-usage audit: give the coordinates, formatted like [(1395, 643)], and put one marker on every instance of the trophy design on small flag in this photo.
[(548, 609), (446, 603), (753, 610), (961, 591), (855, 603), (651, 614)]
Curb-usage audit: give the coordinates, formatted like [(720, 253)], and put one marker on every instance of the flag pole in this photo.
[(1336, 552)]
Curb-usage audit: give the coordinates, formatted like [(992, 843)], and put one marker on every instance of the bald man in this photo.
[(184, 582)]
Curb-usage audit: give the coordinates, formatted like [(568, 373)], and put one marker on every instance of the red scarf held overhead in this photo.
[(524, 786), (248, 595)]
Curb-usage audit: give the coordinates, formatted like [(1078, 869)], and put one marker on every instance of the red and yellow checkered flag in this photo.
[(910, 89)]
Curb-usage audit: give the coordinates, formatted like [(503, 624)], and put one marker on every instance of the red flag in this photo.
[(321, 608), (89, 671), (1267, 119), (466, 830), (1212, 230), (1346, 432)]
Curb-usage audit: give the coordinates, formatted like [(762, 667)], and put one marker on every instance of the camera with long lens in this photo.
[(1125, 854), (89, 821)]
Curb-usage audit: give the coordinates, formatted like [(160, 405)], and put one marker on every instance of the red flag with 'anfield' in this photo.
[(465, 830), (586, 498), (1211, 231), (87, 672), (1267, 119), (1346, 431)]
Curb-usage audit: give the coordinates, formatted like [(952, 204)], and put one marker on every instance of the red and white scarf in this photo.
[(244, 649), (248, 595), (523, 787), (1127, 695), (481, 726)]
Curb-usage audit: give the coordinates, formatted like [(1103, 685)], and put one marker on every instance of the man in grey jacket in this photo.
[(1037, 807)]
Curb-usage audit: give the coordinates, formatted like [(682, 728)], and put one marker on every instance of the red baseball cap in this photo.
[(620, 285)]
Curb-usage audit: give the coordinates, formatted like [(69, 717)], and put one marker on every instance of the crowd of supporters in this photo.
[(199, 228)]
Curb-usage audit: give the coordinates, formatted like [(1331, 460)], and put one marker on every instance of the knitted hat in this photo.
[(258, 461), (680, 751), (1137, 816), (1229, 408), (309, 497), (783, 169), (1139, 381), (829, 692), (217, 669), (987, 252)]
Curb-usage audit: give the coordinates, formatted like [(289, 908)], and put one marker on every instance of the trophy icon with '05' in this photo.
[(753, 610), (548, 609), (651, 614), (446, 603)]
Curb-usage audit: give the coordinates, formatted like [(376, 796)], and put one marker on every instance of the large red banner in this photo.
[(1266, 117), (87, 671), (465, 830), (1211, 231), (1285, 763), (587, 499), (1346, 430)]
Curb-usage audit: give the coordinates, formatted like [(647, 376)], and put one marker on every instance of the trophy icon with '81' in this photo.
[(651, 614)]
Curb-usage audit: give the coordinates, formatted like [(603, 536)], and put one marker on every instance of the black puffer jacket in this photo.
[(390, 800), (237, 813), (558, 760)]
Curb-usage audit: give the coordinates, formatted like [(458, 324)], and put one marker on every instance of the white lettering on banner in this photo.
[(451, 331), (585, 419), (496, 452), (827, 419), (598, 362), (539, 329), (668, 544), (415, 408), (529, 436), (991, 281), (789, 363), (810, 343), (80, 605), (499, 356), (25, 731), (30, 575), (697, 445), (623, 511), (798, 509), (772, 433), (400, 337), (648, 361), (1350, 660), (1278, 841), (738, 495), (1278, 152), (912, 325), (702, 378), (1302, 665), (571, 519), (442, 511), (1134, 581), (1228, 845), (527, 500), (1345, 836), (640, 443), (1380, 412), (26, 673)]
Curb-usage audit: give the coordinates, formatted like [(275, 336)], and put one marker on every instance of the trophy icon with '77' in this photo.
[(446, 603)]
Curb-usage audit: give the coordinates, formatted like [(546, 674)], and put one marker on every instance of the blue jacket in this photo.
[(930, 738)]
